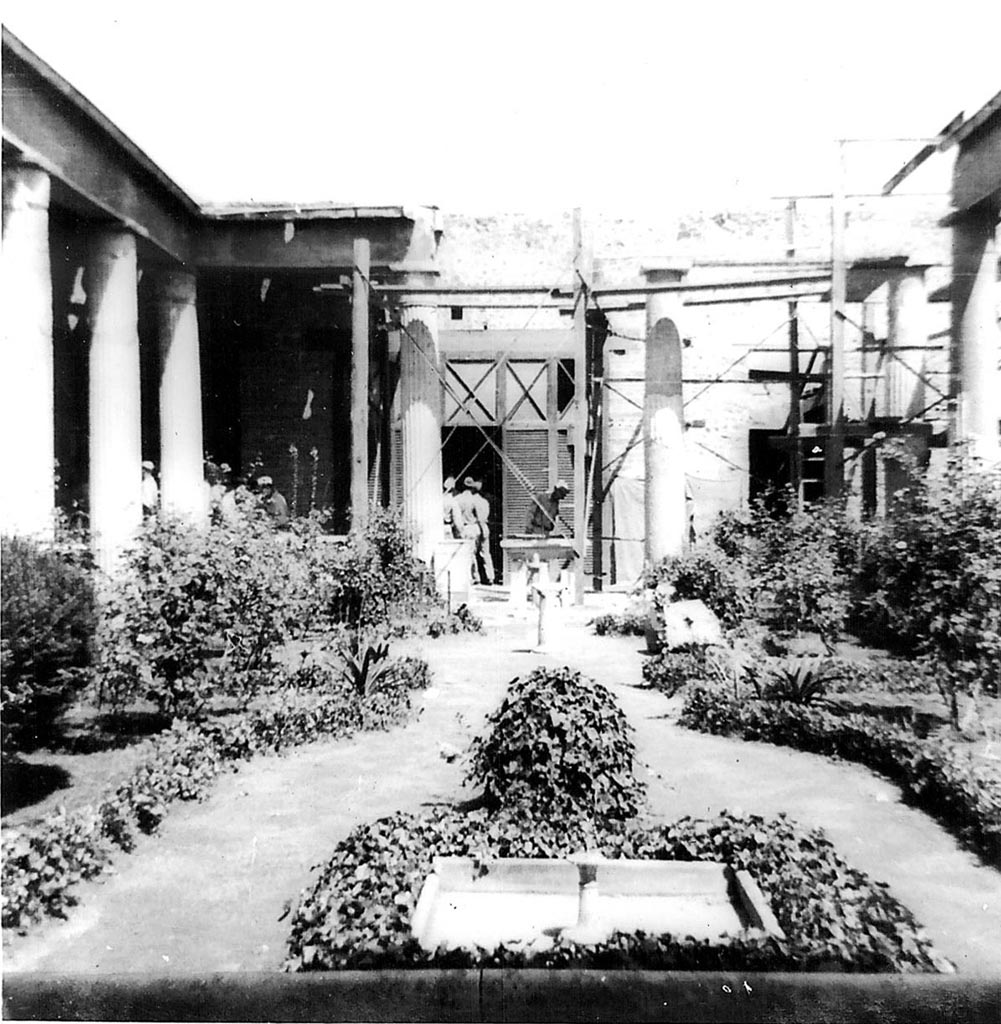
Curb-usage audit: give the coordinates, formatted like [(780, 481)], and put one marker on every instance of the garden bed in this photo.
[(43, 861)]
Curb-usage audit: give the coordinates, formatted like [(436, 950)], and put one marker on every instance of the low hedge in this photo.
[(946, 783), (625, 624), (357, 913), (43, 862)]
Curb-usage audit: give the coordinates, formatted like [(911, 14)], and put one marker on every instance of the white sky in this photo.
[(521, 106)]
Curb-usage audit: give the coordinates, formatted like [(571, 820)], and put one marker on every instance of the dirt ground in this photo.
[(209, 893)]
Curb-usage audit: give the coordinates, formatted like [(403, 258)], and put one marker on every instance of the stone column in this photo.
[(115, 424), (908, 328), (27, 491), (420, 394), (664, 420), (975, 336), (182, 478)]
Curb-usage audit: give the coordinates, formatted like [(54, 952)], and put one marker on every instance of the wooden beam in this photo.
[(311, 245), (932, 146), (582, 269), (834, 450), (359, 384), (107, 176)]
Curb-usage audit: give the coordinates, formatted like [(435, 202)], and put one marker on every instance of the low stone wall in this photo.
[(494, 995)]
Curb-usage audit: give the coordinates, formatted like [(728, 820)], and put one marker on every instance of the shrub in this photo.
[(708, 575), (948, 784), (626, 624), (47, 621), (558, 743), (669, 671), (929, 577), (185, 596), (800, 560), (357, 912)]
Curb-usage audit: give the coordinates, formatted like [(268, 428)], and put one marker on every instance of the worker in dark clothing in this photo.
[(545, 510)]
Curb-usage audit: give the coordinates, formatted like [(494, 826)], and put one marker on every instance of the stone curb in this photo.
[(503, 995)]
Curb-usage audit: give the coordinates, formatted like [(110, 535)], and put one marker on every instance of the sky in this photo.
[(523, 105)]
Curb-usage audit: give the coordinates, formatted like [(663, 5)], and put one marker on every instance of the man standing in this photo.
[(484, 562), (451, 513), (545, 510)]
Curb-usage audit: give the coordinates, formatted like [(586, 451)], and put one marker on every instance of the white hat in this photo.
[(148, 465), (265, 481)]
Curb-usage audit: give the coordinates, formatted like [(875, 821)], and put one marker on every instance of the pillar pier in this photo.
[(27, 464), (420, 394), (182, 487), (666, 516), (115, 424), (908, 329), (975, 336)]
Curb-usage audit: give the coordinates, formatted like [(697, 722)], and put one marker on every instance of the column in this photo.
[(27, 491), (182, 478), (908, 329), (420, 394), (666, 516), (359, 383), (115, 425), (975, 336)]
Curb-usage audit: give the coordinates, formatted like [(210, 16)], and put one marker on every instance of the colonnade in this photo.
[(115, 430)]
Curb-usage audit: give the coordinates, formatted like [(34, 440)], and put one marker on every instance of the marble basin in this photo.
[(520, 902)]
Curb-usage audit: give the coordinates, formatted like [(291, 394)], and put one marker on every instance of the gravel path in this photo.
[(208, 892)]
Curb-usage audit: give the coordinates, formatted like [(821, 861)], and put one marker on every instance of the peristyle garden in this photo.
[(877, 642)]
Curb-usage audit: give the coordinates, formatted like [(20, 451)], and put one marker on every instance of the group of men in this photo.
[(466, 515), (228, 499)]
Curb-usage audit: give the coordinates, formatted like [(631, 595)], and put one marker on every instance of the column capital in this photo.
[(665, 271), (177, 285), (26, 187), (112, 242)]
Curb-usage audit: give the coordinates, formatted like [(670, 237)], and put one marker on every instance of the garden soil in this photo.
[(212, 890)]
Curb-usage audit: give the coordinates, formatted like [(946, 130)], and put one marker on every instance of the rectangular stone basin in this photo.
[(521, 902)]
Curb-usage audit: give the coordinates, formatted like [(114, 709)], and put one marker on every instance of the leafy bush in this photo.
[(43, 862), (929, 576), (461, 620), (626, 624), (883, 674), (559, 743), (709, 575), (186, 595), (47, 621), (669, 671), (357, 913), (948, 784)]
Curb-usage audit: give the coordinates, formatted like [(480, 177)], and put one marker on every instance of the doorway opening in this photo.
[(465, 452)]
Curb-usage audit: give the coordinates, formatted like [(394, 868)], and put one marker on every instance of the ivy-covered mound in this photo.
[(958, 789), (357, 915), (558, 743), (556, 766), (43, 862)]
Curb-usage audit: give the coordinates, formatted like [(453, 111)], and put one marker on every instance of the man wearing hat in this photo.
[(472, 526), (451, 514), (273, 503), (150, 490), (545, 510)]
